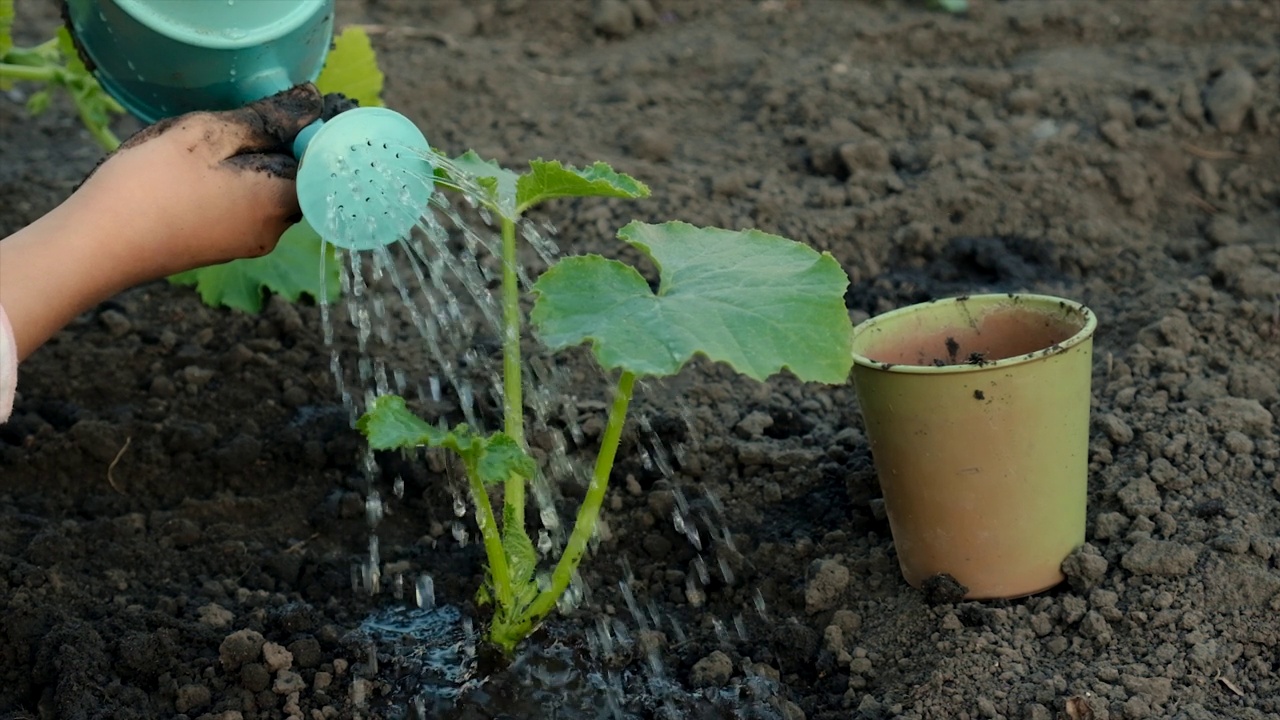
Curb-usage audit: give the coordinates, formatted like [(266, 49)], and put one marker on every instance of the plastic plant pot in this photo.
[(977, 411)]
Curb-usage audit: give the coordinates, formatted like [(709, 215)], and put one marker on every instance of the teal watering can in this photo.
[(363, 177)]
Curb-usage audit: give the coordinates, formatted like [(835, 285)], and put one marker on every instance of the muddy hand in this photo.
[(204, 188)]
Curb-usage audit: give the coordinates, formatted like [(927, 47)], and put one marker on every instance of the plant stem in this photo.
[(512, 383), (584, 525), (513, 390), (29, 72), (498, 572), (106, 139)]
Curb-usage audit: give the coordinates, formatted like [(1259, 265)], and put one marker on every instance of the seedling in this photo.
[(758, 302), (55, 64)]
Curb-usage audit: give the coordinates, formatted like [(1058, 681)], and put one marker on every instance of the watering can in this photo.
[(363, 177)]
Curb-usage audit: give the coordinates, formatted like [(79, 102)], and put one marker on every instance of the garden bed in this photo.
[(174, 475)]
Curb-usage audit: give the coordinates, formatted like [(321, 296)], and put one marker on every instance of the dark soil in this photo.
[(179, 485)]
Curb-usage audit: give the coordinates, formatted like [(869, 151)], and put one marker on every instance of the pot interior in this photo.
[(952, 333)]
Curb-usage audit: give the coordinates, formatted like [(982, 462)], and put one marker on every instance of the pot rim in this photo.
[(1033, 299)]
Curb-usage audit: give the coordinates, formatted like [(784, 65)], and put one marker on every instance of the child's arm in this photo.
[(197, 190)]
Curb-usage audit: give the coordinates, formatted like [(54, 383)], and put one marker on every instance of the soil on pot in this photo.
[(180, 491)]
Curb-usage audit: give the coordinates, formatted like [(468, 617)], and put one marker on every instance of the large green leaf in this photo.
[(351, 68), (548, 180), (291, 270), (756, 301), (390, 425)]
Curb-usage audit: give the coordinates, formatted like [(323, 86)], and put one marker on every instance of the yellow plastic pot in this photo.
[(977, 411)]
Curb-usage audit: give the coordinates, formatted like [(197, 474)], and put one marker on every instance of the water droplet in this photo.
[(549, 517), (693, 593), (373, 510), (424, 592)]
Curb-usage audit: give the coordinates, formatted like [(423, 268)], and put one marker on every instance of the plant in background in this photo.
[(301, 264), (758, 302), (55, 64)]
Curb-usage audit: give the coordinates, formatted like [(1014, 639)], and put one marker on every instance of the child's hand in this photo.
[(197, 190), (203, 188)]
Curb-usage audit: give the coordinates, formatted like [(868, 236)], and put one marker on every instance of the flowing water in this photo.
[(426, 318)]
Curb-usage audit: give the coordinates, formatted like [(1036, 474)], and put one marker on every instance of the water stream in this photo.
[(426, 316)]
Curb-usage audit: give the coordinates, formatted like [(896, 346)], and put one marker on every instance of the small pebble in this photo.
[(240, 647), (276, 657), (713, 670)]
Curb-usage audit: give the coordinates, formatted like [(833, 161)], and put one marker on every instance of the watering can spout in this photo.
[(363, 177)]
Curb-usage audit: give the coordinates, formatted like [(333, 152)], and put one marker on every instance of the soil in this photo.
[(182, 498)]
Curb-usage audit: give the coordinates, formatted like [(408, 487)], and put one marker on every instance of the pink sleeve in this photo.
[(8, 367)]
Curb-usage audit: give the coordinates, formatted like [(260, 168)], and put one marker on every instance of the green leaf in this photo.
[(6, 27), (522, 558), (503, 456), (38, 102), (952, 6), (352, 69), (756, 301), (291, 270), (548, 180), (497, 182), (389, 425)]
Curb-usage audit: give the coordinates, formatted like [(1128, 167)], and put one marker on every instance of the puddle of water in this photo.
[(430, 659)]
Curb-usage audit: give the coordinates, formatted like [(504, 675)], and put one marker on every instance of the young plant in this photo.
[(56, 64), (758, 302)]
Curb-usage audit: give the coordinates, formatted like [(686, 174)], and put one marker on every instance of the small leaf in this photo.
[(352, 69), (501, 457), (496, 181), (954, 7), (38, 102), (756, 301), (547, 180), (291, 270), (389, 425), (522, 558)]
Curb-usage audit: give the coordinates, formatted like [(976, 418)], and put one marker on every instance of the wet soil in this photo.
[(180, 492)]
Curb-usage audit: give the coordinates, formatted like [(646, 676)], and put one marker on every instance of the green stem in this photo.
[(101, 133), (14, 71), (512, 383), (585, 524), (513, 390), (503, 597)]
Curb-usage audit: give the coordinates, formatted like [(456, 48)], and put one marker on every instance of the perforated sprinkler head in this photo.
[(363, 177)]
